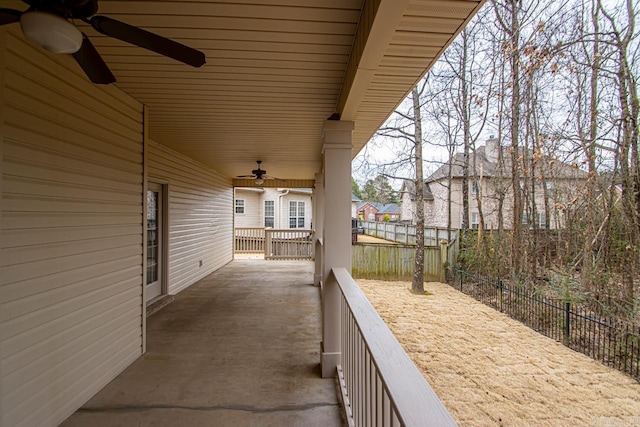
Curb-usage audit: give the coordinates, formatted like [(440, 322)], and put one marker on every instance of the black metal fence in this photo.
[(613, 342)]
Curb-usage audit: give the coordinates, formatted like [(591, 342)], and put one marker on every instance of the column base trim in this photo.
[(329, 363)]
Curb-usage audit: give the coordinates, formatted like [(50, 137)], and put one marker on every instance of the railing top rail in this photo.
[(289, 230), (416, 402)]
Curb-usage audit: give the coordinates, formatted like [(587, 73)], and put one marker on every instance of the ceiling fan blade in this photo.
[(245, 176), (147, 40), (91, 62), (9, 16)]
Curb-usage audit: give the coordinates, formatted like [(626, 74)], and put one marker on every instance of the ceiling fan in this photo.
[(258, 174), (48, 24)]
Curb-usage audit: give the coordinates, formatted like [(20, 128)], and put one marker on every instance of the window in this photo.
[(296, 214), (474, 220), (372, 216), (474, 187), (269, 213), (542, 220), (239, 206)]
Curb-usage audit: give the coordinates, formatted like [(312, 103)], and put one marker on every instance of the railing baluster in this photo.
[(379, 400), (376, 371), (367, 389)]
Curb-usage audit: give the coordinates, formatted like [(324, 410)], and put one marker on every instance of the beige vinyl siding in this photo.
[(200, 216), (70, 235), (253, 209)]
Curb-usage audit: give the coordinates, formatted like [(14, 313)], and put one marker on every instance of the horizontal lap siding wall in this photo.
[(253, 206), (200, 216), (70, 234)]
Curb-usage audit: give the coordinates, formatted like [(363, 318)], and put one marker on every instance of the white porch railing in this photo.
[(275, 244), (249, 240), (380, 384), (288, 244)]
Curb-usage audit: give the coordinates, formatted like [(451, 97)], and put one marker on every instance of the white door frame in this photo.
[(158, 287)]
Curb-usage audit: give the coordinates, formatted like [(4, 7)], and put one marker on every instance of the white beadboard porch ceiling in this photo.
[(276, 69)]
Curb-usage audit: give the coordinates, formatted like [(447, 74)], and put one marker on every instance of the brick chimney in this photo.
[(492, 149)]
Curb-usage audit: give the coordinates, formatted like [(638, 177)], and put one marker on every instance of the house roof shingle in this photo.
[(408, 186), (390, 208), (487, 168)]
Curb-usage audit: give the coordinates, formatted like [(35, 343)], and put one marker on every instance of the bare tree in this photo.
[(417, 284)]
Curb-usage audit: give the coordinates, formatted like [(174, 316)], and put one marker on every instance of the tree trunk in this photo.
[(466, 134), (418, 272), (589, 147)]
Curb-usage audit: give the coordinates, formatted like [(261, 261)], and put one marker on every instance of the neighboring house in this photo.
[(374, 211), (277, 208), (367, 210), (556, 185), (389, 212), (408, 201), (354, 205)]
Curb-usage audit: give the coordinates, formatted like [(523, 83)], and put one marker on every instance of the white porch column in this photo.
[(318, 225), (337, 233)]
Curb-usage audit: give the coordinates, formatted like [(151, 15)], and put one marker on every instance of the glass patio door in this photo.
[(154, 240)]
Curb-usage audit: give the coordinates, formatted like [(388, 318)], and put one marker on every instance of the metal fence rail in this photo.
[(611, 341)]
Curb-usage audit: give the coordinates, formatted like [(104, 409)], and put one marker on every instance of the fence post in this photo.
[(460, 270), (267, 244), (501, 294), (567, 326), (443, 260)]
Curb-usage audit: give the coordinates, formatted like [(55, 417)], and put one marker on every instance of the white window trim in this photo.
[(475, 220), (273, 216), (298, 213), (542, 220), (475, 186), (236, 206)]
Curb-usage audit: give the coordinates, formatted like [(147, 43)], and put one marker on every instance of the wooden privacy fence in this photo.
[(396, 262), (405, 233)]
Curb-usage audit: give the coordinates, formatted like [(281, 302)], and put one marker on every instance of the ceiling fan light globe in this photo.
[(259, 181), (52, 32)]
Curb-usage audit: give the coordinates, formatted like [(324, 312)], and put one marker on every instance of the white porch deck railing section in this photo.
[(405, 233), (380, 384), (275, 244), (249, 240), (288, 244)]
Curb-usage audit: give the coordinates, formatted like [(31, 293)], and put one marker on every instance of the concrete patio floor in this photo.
[(239, 348)]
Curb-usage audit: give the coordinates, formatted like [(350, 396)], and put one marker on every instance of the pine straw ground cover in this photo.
[(490, 370)]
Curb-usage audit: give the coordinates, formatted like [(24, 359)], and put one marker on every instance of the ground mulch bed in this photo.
[(491, 370)]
